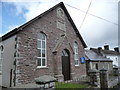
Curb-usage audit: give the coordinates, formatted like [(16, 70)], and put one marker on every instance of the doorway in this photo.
[(66, 64)]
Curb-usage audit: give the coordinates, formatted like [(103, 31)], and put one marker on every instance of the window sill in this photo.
[(77, 65), (40, 67)]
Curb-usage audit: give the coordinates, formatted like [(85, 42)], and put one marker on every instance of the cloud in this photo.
[(36, 9), (9, 28), (33, 7), (103, 9), (95, 31), (13, 27), (98, 32), (21, 1)]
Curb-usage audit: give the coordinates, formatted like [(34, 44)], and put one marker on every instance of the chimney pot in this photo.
[(106, 47), (116, 49)]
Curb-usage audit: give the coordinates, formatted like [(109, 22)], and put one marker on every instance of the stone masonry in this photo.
[(26, 59)]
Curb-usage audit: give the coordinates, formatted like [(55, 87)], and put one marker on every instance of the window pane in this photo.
[(43, 36), (39, 62), (43, 53), (76, 56), (43, 44), (40, 36), (76, 62), (43, 62), (39, 52), (39, 44), (76, 50), (75, 44)]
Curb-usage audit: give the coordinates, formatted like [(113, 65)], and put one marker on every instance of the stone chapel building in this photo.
[(49, 44)]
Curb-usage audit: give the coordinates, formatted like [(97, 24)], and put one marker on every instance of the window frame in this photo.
[(40, 49), (76, 54)]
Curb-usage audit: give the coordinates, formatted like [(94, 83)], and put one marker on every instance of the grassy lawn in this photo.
[(69, 85)]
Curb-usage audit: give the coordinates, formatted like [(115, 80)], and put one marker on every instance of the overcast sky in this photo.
[(99, 27)]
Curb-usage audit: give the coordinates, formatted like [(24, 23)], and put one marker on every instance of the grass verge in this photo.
[(69, 85)]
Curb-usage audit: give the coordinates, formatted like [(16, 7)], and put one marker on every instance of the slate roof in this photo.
[(103, 51), (92, 56), (61, 4)]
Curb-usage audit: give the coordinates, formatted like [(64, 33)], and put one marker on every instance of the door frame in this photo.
[(66, 53)]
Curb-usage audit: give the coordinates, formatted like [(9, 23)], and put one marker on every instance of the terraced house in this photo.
[(49, 44)]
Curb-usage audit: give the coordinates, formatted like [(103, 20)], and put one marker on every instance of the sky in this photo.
[(100, 25)]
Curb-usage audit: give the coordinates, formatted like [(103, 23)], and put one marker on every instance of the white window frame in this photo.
[(76, 55), (41, 50)]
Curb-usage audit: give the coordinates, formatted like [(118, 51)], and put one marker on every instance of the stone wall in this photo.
[(102, 79), (26, 62), (107, 65)]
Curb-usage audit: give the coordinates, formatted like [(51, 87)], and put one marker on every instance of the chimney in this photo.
[(106, 47), (99, 49), (116, 49)]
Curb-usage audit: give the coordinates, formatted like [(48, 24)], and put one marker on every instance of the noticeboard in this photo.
[(82, 60)]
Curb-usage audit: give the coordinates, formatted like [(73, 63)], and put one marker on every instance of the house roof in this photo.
[(61, 4), (92, 56), (100, 60), (103, 51)]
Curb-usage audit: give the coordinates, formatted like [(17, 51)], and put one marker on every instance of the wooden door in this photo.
[(66, 65)]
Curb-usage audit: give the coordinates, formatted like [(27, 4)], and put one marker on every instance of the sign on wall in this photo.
[(82, 60)]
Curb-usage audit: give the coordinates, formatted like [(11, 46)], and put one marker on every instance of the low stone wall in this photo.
[(103, 79), (113, 81)]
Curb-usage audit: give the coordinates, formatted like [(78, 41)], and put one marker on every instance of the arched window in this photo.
[(76, 58), (41, 46)]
